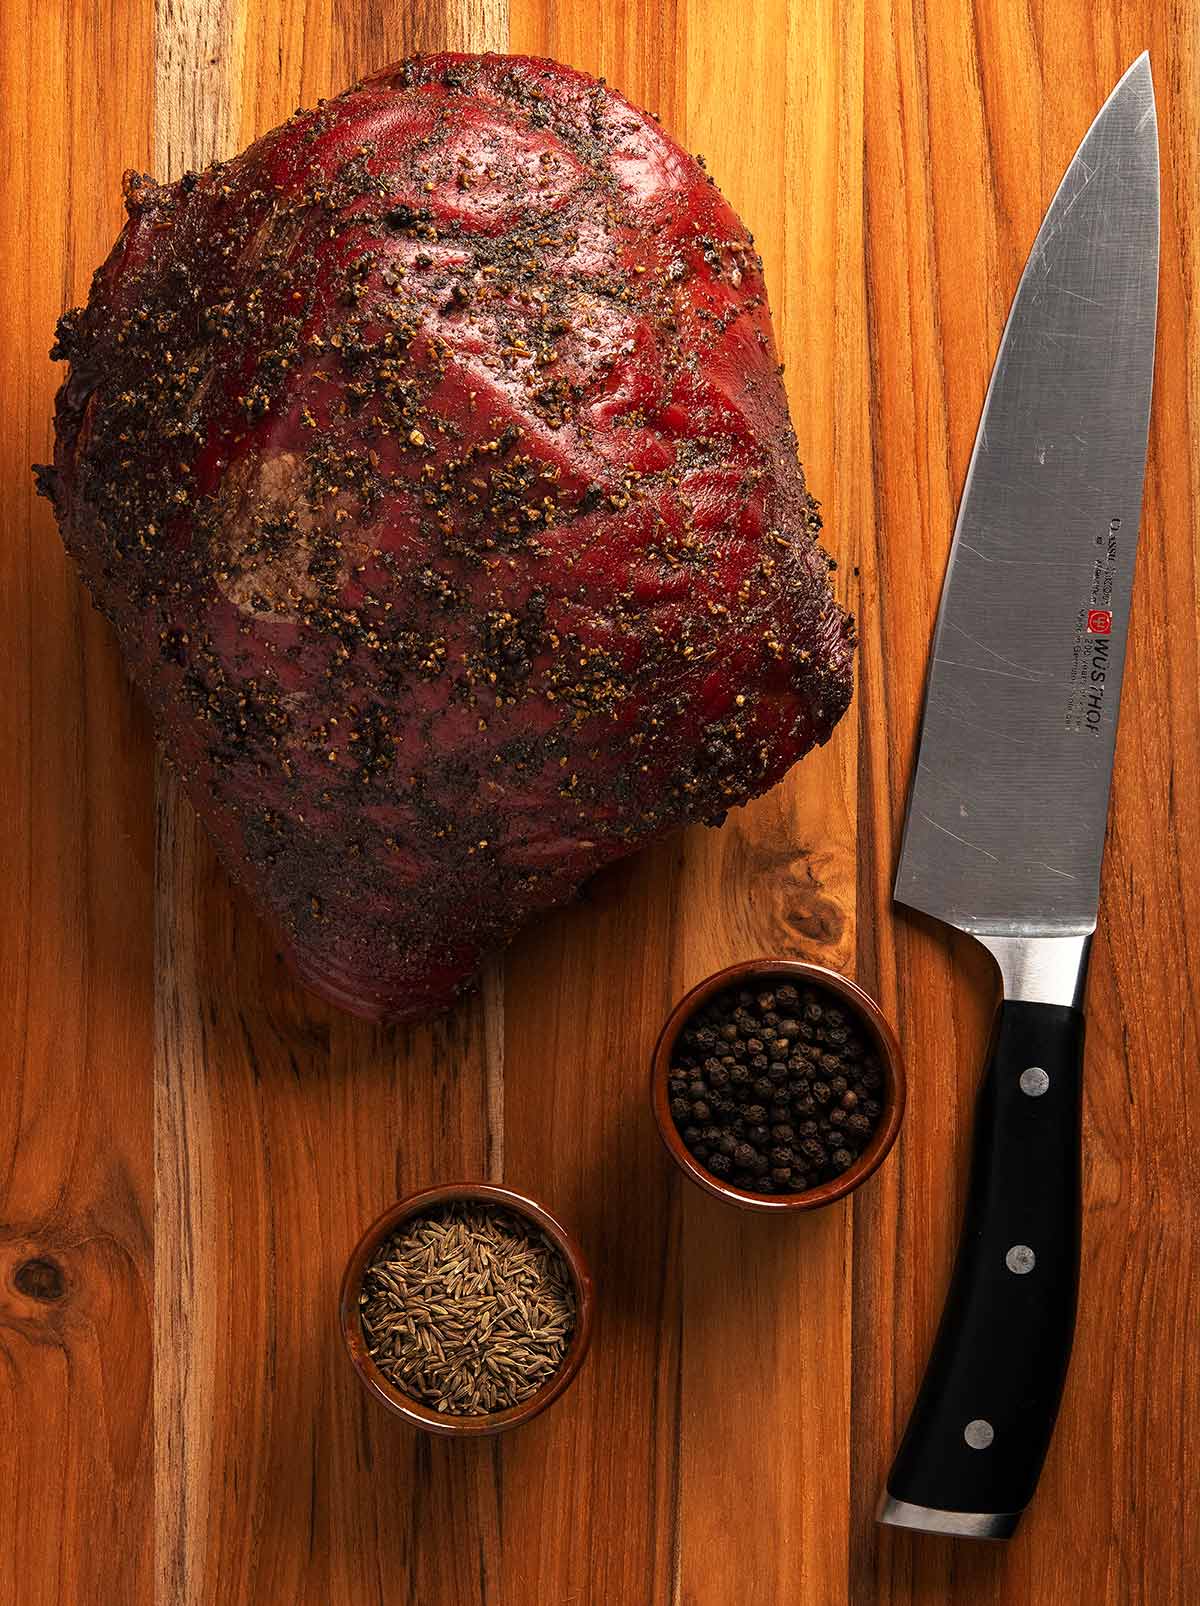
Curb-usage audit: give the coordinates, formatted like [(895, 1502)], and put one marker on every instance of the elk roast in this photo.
[(432, 461)]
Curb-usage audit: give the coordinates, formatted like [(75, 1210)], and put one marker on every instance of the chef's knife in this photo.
[(1006, 817)]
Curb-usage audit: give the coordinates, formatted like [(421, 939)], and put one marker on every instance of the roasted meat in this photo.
[(432, 461)]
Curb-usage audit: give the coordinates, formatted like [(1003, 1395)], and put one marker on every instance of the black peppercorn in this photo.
[(750, 1072)]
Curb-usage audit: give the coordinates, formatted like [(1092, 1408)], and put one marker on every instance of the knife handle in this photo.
[(970, 1458)]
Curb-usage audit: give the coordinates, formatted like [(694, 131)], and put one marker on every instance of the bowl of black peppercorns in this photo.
[(777, 1085)]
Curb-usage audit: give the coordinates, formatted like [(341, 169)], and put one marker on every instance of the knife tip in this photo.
[(1135, 84), (1140, 65)]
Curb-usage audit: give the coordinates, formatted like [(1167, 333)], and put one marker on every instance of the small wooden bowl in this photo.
[(874, 1025), (422, 1416)]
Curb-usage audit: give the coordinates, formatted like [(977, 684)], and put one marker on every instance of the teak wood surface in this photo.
[(190, 1145)]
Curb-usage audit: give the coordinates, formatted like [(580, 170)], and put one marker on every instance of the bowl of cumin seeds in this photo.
[(466, 1309)]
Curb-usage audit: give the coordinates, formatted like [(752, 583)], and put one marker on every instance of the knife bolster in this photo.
[(1041, 970)]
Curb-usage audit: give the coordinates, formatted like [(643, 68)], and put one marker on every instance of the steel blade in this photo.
[(1007, 813)]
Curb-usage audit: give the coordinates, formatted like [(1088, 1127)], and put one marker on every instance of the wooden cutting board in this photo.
[(189, 1145)]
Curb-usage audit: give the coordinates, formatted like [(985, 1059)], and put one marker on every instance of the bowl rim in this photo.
[(891, 1062), (350, 1321)]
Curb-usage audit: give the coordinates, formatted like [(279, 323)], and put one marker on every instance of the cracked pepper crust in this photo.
[(432, 461)]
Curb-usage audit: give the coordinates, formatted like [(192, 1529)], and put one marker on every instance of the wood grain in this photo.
[(76, 867), (189, 1145), (782, 879)]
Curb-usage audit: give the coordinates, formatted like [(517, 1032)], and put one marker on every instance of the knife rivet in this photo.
[(1020, 1258), (1034, 1081), (979, 1434)]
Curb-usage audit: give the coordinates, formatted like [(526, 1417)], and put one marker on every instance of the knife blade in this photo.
[(1009, 798)]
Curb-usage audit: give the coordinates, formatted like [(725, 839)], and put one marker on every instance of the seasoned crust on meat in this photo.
[(432, 461)]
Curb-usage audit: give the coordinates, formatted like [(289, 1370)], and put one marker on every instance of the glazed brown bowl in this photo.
[(422, 1416), (874, 1026)]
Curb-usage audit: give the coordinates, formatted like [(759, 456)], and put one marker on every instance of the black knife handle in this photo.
[(982, 1422)]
